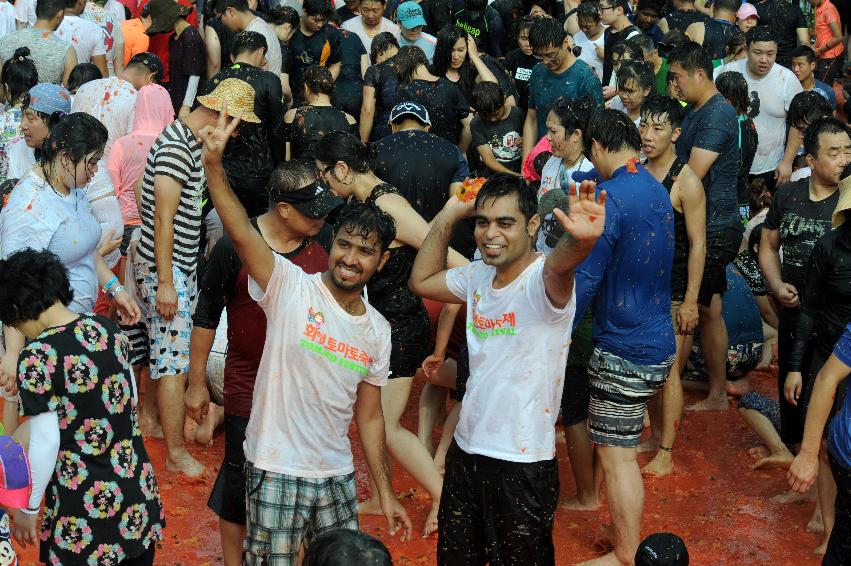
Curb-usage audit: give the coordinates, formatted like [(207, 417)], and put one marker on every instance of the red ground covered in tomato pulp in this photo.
[(713, 501)]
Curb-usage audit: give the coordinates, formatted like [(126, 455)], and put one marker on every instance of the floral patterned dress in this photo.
[(102, 504), (10, 132)]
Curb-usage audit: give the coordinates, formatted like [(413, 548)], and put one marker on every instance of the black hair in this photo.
[(343, 547), (803, 51), (363, 219), (384, 2), (692, 57), (343, 146), (807, 107), (824, 125), (643, 42), (69, 4), (47, 9), (761, 33), (319, 80), (649, 5), (407, 61), (759, 196), (291, 176), (736, 43), (588, 11), (238, 5), (81, 74), (572, 114), (280, 15), (503, 185), (76, 135), (248, 42), (733, 86), (622, 4), (380, 44), (627, 48), (754, 240), (640, 71), (447, 37), (526, 22), (19, 75), (663, 109), (729, 5), (673, 39), (540, 161), (31, 282), (546, 32), (612, 129), (488, 99), (317, 8)]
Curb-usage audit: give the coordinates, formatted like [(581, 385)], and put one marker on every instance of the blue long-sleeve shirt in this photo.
[(628, 273)]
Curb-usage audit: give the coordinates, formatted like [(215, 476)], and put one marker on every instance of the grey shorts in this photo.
[(619, 393)]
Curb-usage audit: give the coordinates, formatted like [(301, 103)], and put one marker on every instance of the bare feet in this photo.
[(431, 520), (660, 466), (576, 504), (184, 464), (821, 549), (608, 560), (190, 427), (710, 404), (205, 431), (816, 525), (794, 497), (782, 459), (371, 506), (758, 452), (739, 387), (150, 427), (649, 445)]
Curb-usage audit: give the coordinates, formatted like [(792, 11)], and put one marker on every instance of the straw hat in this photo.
[(239, 96), (843, 207)]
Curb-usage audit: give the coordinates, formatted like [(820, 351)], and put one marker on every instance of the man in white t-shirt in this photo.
[(773, 86), (87, 38), (371, 22), (501, 484), (325, 342)]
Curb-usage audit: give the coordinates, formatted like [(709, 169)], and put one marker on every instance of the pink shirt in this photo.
[(126, 161)]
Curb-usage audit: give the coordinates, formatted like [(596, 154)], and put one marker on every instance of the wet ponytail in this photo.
[(342, 146)]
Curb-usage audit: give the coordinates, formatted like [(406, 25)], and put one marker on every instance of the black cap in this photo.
[(151, 61), (314, 201), (662, 549)]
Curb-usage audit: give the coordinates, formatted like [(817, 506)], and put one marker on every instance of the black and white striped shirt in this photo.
[(176, 154)]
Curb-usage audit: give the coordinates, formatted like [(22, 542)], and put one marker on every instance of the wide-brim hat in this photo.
[(239, 96), (164, 14), (843, 207)]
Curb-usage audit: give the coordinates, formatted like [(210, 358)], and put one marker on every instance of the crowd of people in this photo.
[(275, 218)]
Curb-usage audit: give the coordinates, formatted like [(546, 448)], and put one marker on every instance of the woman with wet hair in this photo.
[(17, 77), (379, 88)]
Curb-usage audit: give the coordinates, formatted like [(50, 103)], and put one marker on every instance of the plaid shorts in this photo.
[(285, 511)]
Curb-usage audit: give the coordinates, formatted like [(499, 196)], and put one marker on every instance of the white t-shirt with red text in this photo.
[(315, 356), (518, 343)]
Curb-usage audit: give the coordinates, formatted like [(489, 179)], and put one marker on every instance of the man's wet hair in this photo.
[(47, 9), (291, 176), (660, 108), (32, 281), (761, 33), (691, 57), (364, 219), (572, 114), (643, 42), (504, 185), (803, 51), (546, 32), (344, 547), (488, 99), (612, 129), (807, 107), (317, 8), (733, 86), (824, 125)]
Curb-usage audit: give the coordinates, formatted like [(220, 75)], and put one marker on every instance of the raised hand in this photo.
[(214, 139), (587, 215)]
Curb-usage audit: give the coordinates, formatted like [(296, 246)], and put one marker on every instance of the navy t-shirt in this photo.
[(579, 81), (714, 127), (839, 437), (627, 275)]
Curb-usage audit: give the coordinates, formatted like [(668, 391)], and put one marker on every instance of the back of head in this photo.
[(546, 33), (343, 547), (736, 44), (759, 34), (408, 60), (505, 185), (759, 196), (819, 127), (291, 176), (342, 146), (248, 42), (622, 4), (47, 9), (627, 50), (81, 74), (154, 110), (728, 5), (488, 99), (613, 130), (238, 5), (363, 220), (380, 44), (692, 57), (317, 8), (280, 15), (75, 136), (807, 107), (644, 43), (662, 109), (319, 80), (31, 282), (19, 75), (733, 86)]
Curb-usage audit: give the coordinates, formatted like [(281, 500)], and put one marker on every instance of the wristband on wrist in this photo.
[(30, 510), (118, 289), (110, 283)]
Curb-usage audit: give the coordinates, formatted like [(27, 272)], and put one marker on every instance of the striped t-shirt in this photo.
[(176, 154)]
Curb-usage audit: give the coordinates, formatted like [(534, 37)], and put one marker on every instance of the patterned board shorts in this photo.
[(619, 393), (285, 512), (164, 343)]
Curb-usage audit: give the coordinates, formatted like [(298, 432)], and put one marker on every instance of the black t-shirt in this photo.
[(383, 79), (187, 56), (437, 14), (487, 29), (445, 104), (682, 19), (785, 18), (612, 38), (716, 35), (348, 92), (801, 223), (309, 124), (750, 141), (520, 66), (286, 58), (505, 138), (343, 14), (321, 48)]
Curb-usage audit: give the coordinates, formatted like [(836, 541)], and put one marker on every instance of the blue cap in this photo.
[(410, 15), (48, 98)]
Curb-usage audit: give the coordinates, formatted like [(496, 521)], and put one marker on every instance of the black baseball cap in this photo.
[(314, 200), (662, 549), (151, 61)]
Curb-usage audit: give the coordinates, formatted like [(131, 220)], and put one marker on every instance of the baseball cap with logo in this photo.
[(662, 549), (410, 15), (149, 60), (413, 109)]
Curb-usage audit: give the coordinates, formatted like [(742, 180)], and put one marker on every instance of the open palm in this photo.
[(587, 215)]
